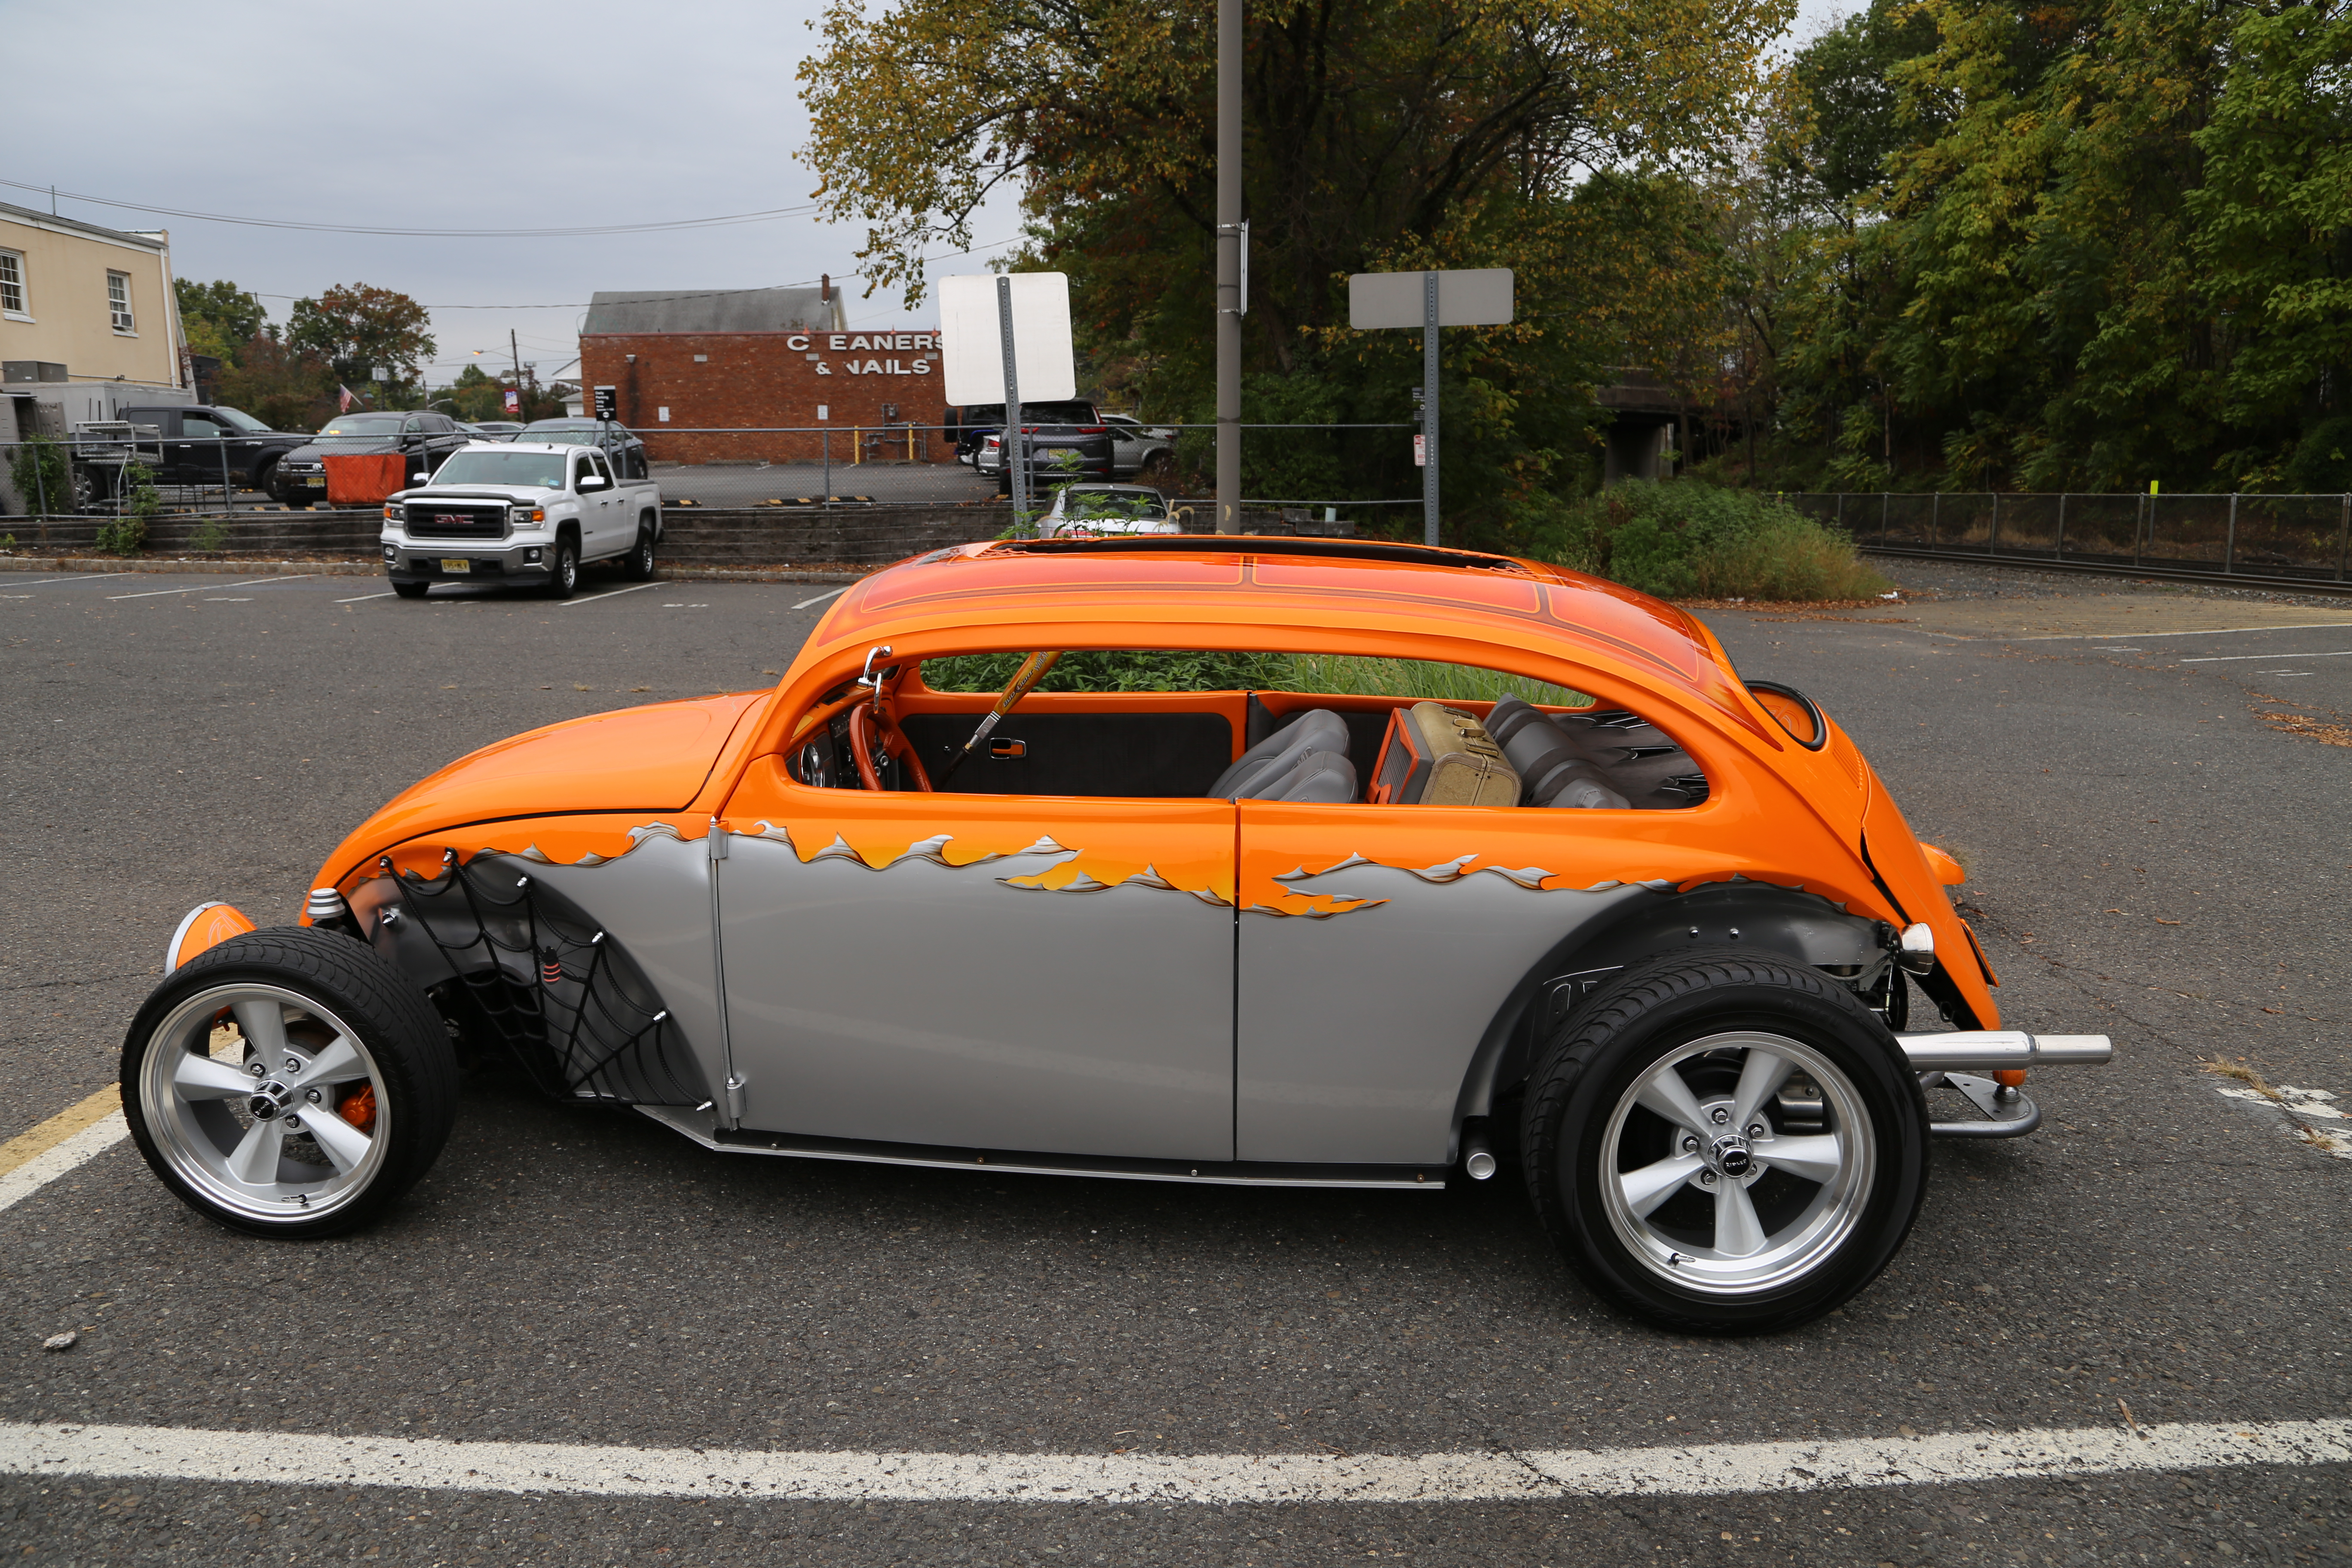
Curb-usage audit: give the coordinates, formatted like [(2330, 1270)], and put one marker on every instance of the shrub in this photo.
[(211, 535), (1686, 538), (44, 476)]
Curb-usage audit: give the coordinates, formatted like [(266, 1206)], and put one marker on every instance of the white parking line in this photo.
[(821, 599), (2235, 658), (364, 597), (85, 577), (31, 1161), (616, 594), (1478, 1475), (2215, 632), (201, 587)]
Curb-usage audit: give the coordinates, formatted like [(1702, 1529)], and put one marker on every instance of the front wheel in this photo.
[(563, 579), (1726, 1142), (288, 1082), (410, 589)]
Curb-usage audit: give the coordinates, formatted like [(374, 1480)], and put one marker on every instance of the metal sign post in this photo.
[(1429, 408), (1010, 445), (1480, 298)]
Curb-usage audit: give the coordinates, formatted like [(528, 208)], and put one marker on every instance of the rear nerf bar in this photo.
[(1941, 1060)]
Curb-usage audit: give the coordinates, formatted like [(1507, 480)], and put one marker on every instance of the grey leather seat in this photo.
[(1553, 771), (1322, 778), (1276, 757)]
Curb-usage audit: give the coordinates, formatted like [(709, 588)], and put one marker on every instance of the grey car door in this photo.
[(1007, 972)]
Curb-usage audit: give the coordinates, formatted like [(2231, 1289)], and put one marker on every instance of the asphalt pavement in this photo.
[(2156, 851)]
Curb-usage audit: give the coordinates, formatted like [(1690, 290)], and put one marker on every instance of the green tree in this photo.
[(1397, 133), (356, 328), (224, 315)]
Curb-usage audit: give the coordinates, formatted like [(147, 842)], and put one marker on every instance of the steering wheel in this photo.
[(871, 732)]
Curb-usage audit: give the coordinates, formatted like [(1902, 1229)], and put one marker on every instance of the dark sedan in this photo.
[(427, 438)]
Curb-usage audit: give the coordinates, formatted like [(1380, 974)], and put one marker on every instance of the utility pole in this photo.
[(1229, 265), (515, 349)]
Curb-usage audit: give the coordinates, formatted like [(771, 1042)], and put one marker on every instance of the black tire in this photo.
[(563, 577), (412, 1076), (265, 476), (1583, 1135), (637, 565), (410, 589)]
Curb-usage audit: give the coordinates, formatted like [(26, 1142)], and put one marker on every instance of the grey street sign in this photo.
[(1480, 298), (1477, 298)]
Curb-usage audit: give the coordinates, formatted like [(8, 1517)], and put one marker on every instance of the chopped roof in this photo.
[(613, 312), (1249, 585)]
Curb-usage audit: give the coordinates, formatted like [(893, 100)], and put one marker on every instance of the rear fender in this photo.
[(1801, 927)]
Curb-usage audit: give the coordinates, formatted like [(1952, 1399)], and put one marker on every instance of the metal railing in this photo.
[(1320, 469), (2276, 538)]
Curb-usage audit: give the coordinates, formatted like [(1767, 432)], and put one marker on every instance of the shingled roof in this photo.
[(714, 310)]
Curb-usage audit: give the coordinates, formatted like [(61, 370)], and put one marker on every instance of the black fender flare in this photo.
[(1788, 922)]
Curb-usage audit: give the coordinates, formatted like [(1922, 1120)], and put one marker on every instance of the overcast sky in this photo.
[(432, 115)]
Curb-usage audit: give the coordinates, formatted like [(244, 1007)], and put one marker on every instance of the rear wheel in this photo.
[(288, 1082), (1726, 1142), (637, 566)]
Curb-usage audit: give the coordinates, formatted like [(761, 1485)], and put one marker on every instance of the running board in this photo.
[(1224, 1172)]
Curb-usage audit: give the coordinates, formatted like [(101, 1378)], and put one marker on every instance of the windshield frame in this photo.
[(239, 419)]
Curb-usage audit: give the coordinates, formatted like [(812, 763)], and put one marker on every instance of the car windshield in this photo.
[(563, 435), (239, 418), (1142, 505), (361, 426), (543, 469)]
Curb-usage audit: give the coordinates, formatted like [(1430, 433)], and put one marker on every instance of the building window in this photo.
[(117, 300), (12, 283)]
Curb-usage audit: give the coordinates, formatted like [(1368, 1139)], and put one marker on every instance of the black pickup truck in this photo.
[(1064, 440), (199, 442)]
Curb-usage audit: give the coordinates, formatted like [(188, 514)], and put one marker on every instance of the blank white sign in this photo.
[(1471, 298), (972, 340)]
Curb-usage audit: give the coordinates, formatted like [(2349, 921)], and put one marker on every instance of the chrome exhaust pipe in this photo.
[(2003, 1050), (1477, 1160)]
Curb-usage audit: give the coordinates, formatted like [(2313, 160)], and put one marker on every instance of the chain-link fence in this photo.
[(2306, 538), (1330, 472)]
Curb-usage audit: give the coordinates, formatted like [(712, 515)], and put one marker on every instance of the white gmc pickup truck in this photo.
[(522, 515)]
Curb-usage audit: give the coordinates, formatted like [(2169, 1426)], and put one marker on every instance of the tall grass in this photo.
[(1338, 675)]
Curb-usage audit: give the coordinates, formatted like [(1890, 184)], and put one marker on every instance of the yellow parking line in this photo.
[(27, 1147)]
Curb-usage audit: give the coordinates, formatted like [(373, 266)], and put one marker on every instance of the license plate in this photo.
[(1061, 451), (316, 484), (459, 567)]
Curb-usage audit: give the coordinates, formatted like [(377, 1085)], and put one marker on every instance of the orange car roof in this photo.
[(1250, 582)]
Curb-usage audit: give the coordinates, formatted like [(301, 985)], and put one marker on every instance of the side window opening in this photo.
[(1309, 727)]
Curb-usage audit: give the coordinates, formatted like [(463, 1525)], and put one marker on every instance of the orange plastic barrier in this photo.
[(365, 480)]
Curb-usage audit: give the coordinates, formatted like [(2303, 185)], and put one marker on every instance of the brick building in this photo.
[(757, 373)]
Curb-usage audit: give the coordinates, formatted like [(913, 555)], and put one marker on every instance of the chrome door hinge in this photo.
[(718, 840), (735, 1100)]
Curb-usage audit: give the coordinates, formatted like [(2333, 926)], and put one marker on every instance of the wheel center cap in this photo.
[(270, 1102), (1729, 1154)]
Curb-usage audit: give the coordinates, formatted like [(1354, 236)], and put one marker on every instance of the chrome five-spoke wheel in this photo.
[(1724, 1181), (265, 1101)]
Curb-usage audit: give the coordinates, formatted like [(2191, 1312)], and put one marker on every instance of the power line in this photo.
[(386, 232)]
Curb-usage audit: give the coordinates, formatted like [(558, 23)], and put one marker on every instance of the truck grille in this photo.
[(432, 519)]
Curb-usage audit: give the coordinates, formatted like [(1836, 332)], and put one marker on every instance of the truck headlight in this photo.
[(525, 516)]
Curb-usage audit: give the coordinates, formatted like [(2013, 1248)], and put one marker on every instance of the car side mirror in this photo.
[(419, 479)]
